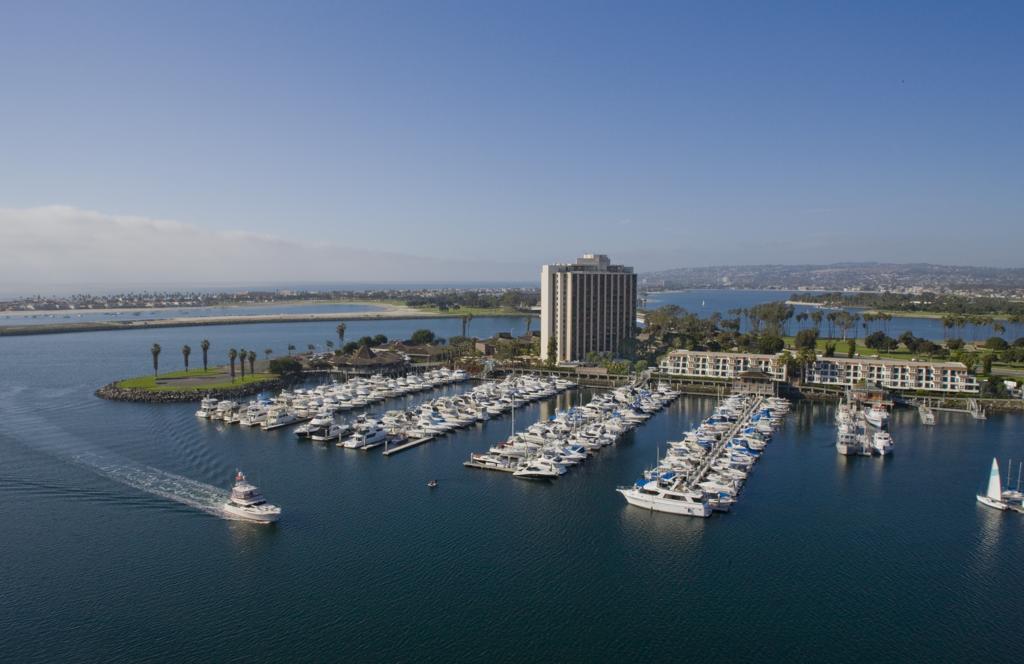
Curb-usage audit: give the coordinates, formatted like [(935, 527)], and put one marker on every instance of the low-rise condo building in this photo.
[(893, 374), (703, 363), (846, 372)]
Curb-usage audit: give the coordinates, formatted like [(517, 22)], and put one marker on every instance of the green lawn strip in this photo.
[(214, 380), (474, 311)]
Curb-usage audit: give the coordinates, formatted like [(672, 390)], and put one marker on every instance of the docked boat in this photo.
[(881, 443), (366, 436), (277, 418), (538, 469), (207, 408), (877, 416), (247, 503), (847, 443), (650, 495), (332, 432), (926, 413), (993, 496)]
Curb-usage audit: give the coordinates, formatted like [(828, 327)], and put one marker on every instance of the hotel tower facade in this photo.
[(586, 306)]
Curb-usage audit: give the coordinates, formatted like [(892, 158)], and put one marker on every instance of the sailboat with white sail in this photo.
[(993, 496)]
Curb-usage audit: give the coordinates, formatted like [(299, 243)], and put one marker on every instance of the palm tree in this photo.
[(205, 345), (816, 318), (241, 365), (948, 323), (529, 324), (465, 323), (232, 355), (291, 347), (155, 350), (185, 352), (268, 352), (252, 362), (311, 347), (831, 318), (341, 332)]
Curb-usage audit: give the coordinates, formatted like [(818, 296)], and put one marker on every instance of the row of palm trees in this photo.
[(233, 356), (960, 321)]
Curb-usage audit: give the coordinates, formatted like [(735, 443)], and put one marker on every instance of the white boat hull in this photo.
[(994, 504), (653, 503), (256, 516)]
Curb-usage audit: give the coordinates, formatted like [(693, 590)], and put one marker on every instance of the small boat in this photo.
[(432, 484), (247, 503), (993, 496), (877, 416), (881, 443), (847, 442)]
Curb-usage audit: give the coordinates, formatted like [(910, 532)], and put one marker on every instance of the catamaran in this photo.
[(993, 496)]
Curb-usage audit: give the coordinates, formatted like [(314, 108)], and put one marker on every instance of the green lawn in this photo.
[(196, 380), (843, 348)]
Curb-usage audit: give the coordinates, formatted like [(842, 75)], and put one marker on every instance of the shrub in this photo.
[(286, 367), (996, 343), (806, 339), (420, 337)]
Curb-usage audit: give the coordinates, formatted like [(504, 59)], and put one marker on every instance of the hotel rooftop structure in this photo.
[(586, 306), (839, 371)]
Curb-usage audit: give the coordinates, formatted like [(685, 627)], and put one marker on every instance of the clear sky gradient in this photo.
[(492, 137)]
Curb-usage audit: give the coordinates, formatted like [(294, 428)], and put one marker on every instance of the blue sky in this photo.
[(490, 137)]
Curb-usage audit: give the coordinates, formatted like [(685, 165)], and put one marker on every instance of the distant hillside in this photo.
[(844, 276)]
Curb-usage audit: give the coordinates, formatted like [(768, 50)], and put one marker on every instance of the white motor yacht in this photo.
[(877, 416), (371, 435), (846, 442), (332, 432), (538, 469), (650, 495), (207, 407), (276, 418), (246, 502), (881, 443)]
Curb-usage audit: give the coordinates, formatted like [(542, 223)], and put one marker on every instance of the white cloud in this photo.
[(45, 246)]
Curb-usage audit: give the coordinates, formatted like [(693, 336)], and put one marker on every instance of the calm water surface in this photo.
[(50, 317), (109, 553)]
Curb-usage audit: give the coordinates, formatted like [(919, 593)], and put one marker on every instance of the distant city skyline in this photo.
[(260, 143)]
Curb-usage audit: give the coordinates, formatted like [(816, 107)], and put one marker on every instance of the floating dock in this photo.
[(405, 446), (483, 466)]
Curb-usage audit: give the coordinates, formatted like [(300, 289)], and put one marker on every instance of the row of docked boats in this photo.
[(861, 431), (705, 470), (299, 405), (547, 449), (437, 417)]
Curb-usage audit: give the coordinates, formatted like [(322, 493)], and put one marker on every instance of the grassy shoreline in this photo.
[(196, 380)]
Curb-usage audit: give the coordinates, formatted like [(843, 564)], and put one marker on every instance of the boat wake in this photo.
[(197, 495), (67, 446)]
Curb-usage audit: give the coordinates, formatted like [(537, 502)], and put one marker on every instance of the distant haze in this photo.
[(49, 247), (406, 141)]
